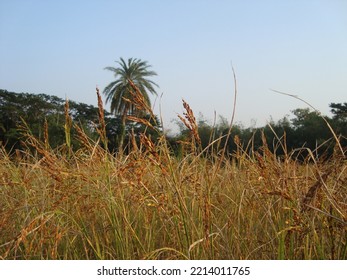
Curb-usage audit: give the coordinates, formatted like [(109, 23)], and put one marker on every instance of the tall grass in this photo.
[(150, 204)]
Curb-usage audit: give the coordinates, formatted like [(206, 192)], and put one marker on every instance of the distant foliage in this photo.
[(19, 110), (306, 129)]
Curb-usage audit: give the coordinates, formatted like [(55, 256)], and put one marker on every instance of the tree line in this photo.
[(22, 111), (306, 129)]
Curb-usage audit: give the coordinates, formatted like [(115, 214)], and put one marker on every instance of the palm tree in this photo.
[(119, 91)]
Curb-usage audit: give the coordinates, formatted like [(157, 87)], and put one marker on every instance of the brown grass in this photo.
[(149, 204)]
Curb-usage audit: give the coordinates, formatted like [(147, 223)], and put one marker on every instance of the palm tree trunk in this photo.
[(121, 135)]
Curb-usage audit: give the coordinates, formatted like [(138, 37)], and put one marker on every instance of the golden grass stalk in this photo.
[(140, 120), (190, 122), (67, 126), (138, 100), (102, 125), (45, 134)]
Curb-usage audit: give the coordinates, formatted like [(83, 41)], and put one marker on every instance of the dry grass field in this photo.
[(148, 203)]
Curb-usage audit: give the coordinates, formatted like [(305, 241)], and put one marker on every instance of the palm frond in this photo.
[(118, 91)]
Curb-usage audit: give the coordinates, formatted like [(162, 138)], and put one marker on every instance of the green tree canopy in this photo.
[(339, 110)]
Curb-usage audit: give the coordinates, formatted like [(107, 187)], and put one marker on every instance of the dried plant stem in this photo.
[(67, 126), (102, 124), (190, 122)]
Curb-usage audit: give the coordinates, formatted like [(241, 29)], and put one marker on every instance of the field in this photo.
[(148, 203)]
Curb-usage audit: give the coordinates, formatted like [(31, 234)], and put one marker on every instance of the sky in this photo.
[(300, 47)]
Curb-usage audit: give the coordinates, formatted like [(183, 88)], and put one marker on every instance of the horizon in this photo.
[(61, 48)]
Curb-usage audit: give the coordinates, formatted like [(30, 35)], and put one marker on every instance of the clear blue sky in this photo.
[(300, 47)]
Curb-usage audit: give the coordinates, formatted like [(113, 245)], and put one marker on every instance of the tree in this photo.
[(119, 92), (339, 110), (35, 109), (311, 131)]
